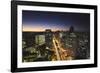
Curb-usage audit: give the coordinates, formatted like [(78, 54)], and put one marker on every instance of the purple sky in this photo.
[(40, 20)]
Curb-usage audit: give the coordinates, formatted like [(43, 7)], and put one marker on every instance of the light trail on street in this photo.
[(59, 51)]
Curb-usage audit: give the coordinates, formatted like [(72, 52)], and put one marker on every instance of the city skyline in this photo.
[(40, 21)]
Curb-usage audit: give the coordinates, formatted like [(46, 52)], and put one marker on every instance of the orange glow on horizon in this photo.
[(40, 29), (33, 29)]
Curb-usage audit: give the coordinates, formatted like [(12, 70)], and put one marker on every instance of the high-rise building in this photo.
[(40, 39), (48, 38), (71, 29)]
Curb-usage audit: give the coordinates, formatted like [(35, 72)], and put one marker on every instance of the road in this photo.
[(59, 51)]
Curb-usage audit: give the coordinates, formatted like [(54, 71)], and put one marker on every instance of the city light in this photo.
[(55, 36)]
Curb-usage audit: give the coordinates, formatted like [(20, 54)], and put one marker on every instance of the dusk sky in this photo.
[(40, 20)]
